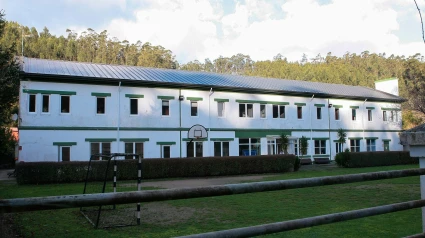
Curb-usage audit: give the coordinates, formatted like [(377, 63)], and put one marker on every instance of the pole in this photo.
[(311, 130), (330, 139)]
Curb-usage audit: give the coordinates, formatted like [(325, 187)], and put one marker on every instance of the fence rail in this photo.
[(85, 200)]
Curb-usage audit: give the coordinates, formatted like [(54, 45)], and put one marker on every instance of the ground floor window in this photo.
[(386, 145), (65, 153), (133, 148), (221, 148), (195, 149), (165, 151), (355, 145), (320, 147), (249, 146), (338, 147), (371, 145), (100, 148), (297, 147)]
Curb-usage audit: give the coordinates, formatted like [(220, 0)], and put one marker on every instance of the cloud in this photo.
[(96, 4), (198, 29)]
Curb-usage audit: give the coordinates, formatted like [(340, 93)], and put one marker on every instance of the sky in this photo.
[(200, 29)]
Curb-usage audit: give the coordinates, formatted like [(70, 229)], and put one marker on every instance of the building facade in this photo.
[(70, 110)]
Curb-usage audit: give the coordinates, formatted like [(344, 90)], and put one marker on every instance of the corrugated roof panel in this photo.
[(91, 70)]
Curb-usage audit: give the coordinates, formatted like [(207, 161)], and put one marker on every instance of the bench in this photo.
[(305, 161), (321, 160)]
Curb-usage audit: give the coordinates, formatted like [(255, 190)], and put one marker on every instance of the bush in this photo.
[(376, 158), (64, 172), (297, 163)]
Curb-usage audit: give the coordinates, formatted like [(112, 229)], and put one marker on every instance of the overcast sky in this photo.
[(199, 29)]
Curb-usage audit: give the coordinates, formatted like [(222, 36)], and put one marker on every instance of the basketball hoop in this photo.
[(197, 132)]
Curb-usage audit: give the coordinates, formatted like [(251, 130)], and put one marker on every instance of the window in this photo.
[(100, 148), (194, 108), (220, 109), (370, 144), (278, 111), (271, 147), (32, 103), (165, 151), (320, 147), (369, 115), (100, 105), (262, 111), (249, 146), (245, 110), (65, 106), (353, 114), (355, 145), (386, 145), (221, 148), (393, 116), (165, 107), (134, 108), (338, 147), (65, 153), (384, 116), (194, 149), (336, 113), (319, 113), (133, 148), (300, 112), (296, 147), (45, 103)]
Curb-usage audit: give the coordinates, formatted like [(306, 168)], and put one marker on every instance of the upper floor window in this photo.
[(336, 113), (353, 114), (134, 106), (278, 111), (45, 104), (65, 104), (220, 109), (245, 110), (100, 105), (369, 115), (263, 111), (300, 112), (32, 103), (194, 108), (165, 107), (384, 116), (319, 113)]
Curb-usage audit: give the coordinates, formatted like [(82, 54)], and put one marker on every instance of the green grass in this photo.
[(191, 216)]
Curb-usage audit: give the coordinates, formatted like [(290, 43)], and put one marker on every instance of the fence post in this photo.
[(422, 165)]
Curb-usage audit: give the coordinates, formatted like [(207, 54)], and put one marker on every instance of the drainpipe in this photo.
[(311, 130), (364, 139), (119, 116), (329, 124), (180, 120)]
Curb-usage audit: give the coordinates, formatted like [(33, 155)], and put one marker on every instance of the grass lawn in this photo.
[(191, 216)]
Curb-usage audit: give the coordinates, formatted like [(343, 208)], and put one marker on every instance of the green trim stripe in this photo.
[(194, 99), (300, 104), (166, 97), (321, 138), (188, 139), (250, 101), (354, 107), (390, 109), (100, 139), (337, 106), (371, 138), (35, 91), (165, 143), (134, 96), (319, 105), (370, 108), (134, 139), (222, 139), (221, 100), (100, 94), (258, 133), (277, 103), (64, 143), (319, 156), (355, 138), (386, 140)]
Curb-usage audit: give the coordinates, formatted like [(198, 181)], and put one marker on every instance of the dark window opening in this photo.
[(319, 113), (353, 114), (100, 105), (45, 103), (165, 107), (336, 113), (300, 112), (32, 103), (369, 115), (166, 151), (66, 153), (133, 106), (65, 104), (194, 109)]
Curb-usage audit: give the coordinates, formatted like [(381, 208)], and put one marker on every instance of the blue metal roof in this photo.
[(142, 75)]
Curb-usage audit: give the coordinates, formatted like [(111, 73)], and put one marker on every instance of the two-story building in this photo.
[(70, 110)]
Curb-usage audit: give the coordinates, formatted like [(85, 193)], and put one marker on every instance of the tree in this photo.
[(303, 145), (342, 138), (414, 79), (9, 92), (284, 143)]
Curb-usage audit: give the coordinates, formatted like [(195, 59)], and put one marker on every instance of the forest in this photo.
[(352, 69)]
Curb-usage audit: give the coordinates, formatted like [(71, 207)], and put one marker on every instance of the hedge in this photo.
[(375, 158), (66, 172)]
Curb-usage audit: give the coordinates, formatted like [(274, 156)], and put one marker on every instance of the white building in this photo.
[(69, 110)]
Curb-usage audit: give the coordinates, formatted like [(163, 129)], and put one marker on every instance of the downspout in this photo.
[(180, 121), (311, 130), (119, 117), (330, 139), (364, 139)]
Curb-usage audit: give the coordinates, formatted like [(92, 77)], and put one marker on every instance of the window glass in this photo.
[(300, 112), (250, 110), (134, 106), (249, 146), (128, 148), (45, 103), (336, 113), (190, 148), (384, 115), (275, 111), (32, 98), (320, 147), (386, 146), (353, 114), (225, 148), (355, 145), (319, 112), (95, 149), (139, 149), (338, 147), (217, 148), (194, 109), (242, 112), (66, 153), (369, 115), (65, 104), (282, 111), (262, 111), (165, 107), (166, 151), (100, 105), (371, 144), (220, 109), (106, 148)]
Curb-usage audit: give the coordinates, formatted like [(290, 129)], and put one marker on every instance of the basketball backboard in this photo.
[(197, 132)]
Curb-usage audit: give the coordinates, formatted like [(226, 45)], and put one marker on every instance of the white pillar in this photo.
[(422, 178)]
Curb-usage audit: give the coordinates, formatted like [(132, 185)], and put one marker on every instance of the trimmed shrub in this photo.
[(376, 158), (65, 172), (297, 163)]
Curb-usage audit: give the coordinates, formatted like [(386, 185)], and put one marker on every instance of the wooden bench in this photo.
[(305, 161), (321, 160)]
